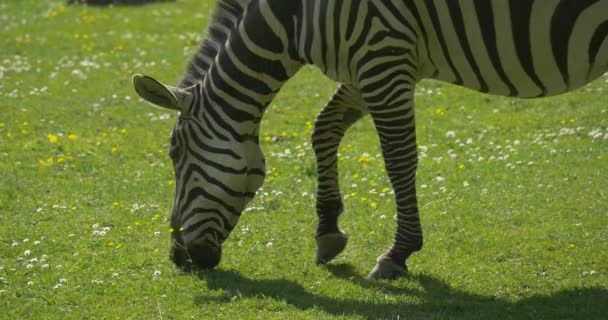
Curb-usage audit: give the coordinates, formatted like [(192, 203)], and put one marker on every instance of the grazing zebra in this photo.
[(377, 50)]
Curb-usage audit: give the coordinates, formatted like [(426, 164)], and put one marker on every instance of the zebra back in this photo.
[(225, 18)]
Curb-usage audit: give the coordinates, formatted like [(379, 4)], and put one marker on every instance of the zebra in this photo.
[(377, 50)]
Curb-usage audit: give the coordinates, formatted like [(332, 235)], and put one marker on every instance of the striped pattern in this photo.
[(378, 51)]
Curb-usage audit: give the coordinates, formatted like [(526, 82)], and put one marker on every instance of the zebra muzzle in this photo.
[(195, 257)]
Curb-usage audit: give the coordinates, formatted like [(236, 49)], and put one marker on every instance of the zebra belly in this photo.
[(516, 48)]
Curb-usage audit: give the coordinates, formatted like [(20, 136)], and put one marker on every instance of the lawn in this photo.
[(513, 193)]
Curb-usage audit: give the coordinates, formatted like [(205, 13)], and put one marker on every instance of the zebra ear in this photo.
[(159, 94)]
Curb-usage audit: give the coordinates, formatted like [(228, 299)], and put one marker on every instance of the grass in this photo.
[(513, 193)]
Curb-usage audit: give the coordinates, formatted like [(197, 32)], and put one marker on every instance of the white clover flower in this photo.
[(439, 179), (156, 274)]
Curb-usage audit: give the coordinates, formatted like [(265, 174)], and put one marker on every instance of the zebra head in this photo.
[(216, 174)]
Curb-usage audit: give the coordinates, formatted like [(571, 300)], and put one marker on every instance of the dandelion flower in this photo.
[(53, 138), (72, 137)]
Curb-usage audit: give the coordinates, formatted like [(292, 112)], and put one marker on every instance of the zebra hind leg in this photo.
[(332, 122)]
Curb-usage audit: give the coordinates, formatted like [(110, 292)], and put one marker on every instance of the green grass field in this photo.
[(513, 193)]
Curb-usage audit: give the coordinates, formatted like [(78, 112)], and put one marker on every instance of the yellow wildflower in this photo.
[(53, 138), (72, 136)]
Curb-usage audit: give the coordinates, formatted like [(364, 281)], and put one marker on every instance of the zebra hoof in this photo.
[(387, 269), (330, 245)]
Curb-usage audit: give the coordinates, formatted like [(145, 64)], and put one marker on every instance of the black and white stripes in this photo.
[(378, 50)]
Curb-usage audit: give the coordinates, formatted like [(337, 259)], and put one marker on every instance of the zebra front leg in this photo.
[(393, 116), (344, 109)]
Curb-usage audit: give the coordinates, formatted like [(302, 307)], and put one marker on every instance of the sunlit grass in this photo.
[(513, 193)]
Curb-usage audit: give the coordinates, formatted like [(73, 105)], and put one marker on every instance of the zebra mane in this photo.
[(225, 18)]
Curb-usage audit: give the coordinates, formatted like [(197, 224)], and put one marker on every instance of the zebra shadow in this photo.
[(435, 299)]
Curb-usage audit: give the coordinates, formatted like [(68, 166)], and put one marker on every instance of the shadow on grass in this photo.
[(436, 299)]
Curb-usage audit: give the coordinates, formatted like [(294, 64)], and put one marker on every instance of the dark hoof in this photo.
[(330, 245), (387, 269)]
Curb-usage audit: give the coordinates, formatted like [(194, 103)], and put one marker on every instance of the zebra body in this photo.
[(378, 50)]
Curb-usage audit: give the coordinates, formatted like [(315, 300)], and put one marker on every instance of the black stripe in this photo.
[(599, 36), (218, 166), (337, 31), (196, 192), (353, 18), (243, 54), (260, 32), (194, 136), (323, 34), (271, 68), (485, 15), (423, 33), (228, 109), (217, 119), (562, 25), (309, 22), (432, 11), (456, 15), (212, 213), (521, 12), (208, 124)]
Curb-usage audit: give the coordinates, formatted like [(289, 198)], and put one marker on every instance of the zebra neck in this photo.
[(248, 71)]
